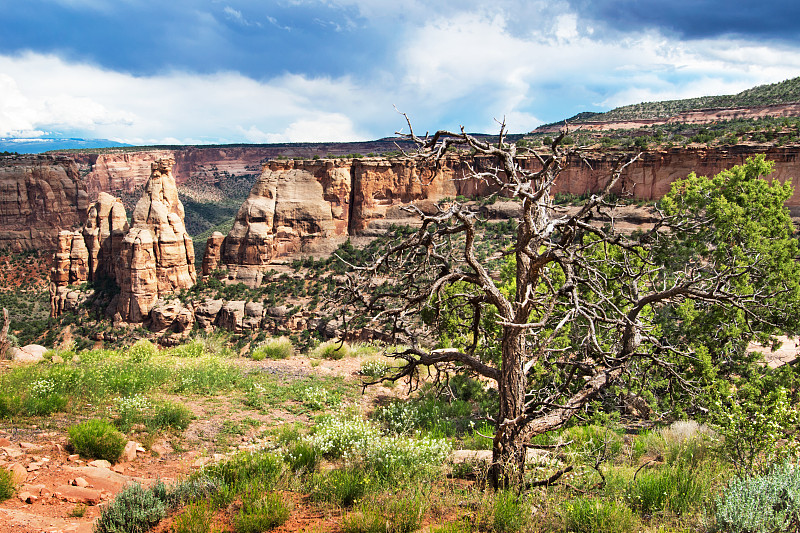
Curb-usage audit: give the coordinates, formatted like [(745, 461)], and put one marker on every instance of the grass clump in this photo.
[(138, 409), (260, 513), (279, 348), (509, 513), (398, 515), (342, 487), (196, 518), (334, 350), (171, 415), (7, 485), (247, 468), (594, 515), (677, 489), (97, 439), (302, 456)]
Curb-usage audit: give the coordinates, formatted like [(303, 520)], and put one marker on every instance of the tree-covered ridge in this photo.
[(784, 92)]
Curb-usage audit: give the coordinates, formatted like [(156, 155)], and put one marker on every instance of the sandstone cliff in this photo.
[(39, 196), (308, 207), (153, 258)]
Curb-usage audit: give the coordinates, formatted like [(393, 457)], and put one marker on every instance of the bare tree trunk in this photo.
[(508, 449), (5, 344)]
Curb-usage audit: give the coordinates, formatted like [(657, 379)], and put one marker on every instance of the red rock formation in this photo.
[(157, 255), (39, 196), (294, 207), (153, 258)]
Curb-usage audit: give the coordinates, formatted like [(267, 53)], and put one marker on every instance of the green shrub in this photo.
[(341, 486), (318, 398), (171, 415), (196, 518), (332, 350), (593, 515), (142, 350), (374, 368), (335, 436), (43, 398), (279, 348), (397, 458), (7, 485), (134, 510), (261, 513), (768, 503), (97, 439)]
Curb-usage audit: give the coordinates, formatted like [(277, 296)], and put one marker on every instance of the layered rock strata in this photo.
[(157, 255), (310, 207), (87, 254), (148, 260), (39, 196)]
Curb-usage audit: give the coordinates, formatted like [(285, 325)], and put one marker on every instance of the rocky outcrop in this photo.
[(294, 207), (157, 255), (39, 197), (152, 258)]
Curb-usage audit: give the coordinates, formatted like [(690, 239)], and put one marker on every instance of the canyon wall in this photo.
[(42, 195), (39, 196), (697, 116)]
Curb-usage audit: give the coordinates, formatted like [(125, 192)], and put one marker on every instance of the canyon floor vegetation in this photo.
[(291, 444)]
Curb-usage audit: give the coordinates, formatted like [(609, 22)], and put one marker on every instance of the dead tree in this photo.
[(576, 312)]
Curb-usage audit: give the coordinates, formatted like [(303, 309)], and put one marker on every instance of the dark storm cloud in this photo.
[(692, 19)]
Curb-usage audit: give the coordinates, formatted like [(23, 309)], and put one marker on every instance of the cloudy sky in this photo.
[(224, 71)]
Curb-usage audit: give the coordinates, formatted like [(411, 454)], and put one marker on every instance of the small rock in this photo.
[(79, 482), (19, 473), (119, 469), (28, 497), (100, 463), (74, 457), (161, 449), (33, 467), (12, 451), (129, 453), (27, 445), (78, 494), (4, 442), (57, 359)]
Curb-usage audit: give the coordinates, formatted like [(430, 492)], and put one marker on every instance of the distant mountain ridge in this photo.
[(38, 145), (785, 92)]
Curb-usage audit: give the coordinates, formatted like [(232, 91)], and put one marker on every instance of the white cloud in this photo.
[(40, 92), (453, 66), (477, 56)]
